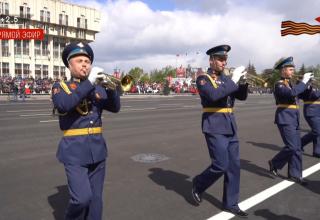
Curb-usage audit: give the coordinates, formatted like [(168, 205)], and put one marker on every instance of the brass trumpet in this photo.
[(111, 82), (251, 79)]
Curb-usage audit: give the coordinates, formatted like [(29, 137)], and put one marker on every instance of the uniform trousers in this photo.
[(314, 135), (224, 154), (85, 185), (291, 153)]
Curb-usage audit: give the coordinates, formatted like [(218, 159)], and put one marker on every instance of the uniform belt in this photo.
[(218, 110), (312, 102), (287, 106), (82, 131)]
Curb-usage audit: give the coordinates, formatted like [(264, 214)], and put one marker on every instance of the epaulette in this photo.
[(65, 87), (213, 81)]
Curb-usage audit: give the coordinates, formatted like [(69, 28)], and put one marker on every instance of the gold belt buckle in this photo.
[(90, 130)]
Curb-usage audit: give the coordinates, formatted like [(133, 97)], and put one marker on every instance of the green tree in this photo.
[(136, 73), (302, 70), (145, 78)]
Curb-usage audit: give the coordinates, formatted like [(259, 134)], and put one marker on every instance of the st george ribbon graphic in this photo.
[(293, 28)]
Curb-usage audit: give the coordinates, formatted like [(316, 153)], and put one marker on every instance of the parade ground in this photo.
[(155, 147)]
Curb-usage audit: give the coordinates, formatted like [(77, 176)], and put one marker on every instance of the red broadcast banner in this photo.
[(21, 34)]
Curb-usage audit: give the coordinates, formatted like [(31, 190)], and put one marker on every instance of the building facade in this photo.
[(62, 23)]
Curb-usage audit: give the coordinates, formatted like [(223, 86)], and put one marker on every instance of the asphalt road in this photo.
[(33, 183)]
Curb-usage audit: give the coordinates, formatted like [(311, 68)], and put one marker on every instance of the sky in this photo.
[(149, 34)]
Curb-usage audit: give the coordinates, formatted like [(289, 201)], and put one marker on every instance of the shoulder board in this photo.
[(65, 87), (213, 82)]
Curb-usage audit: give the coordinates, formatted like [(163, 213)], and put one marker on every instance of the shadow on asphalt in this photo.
[(267, 214), (249, 166), (59, 202), (271, 147), (180, 184), (265, 146), (313, 186)]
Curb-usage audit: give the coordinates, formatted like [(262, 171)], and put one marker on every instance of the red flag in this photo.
[(317, 19)]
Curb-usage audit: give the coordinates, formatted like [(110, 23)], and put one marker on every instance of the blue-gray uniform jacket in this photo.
[(219, 94), (286, 97), (311, 99), (80, 107)]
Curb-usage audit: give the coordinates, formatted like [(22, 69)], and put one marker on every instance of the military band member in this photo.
[(218, 92), (83, 149), (287, 120), (311, 112)]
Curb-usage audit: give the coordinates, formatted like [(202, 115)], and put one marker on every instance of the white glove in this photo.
[(238, 73), (307, 77), (94, 74)]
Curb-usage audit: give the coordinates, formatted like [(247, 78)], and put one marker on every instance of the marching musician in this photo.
[(82, 149), (311, 112), (287, 120), (218, 92)]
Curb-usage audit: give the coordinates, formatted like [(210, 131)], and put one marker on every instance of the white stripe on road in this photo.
[(267, 193), (46, 114), (30, 110), (48, 121)]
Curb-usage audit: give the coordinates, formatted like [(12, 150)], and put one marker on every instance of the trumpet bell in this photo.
[(111, 82), (126, 83)]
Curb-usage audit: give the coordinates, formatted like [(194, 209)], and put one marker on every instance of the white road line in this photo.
[(138, 109), (48, 121), (31, 115), (30, 110), (265, 194)]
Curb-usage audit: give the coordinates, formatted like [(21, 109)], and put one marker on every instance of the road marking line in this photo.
[(30, 110), (35, 115), (265, 194), (138, 109), (49, 121)]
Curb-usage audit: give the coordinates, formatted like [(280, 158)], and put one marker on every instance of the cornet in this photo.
[(111, 82), (251, 79)]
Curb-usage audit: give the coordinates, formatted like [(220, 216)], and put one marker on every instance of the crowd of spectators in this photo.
[(26, 86)]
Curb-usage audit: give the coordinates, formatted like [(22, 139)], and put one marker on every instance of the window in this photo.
[(26, 71), (56, 48), (5, 48), (82, 22), (55, 72), (63, 19), (45, 15), (25, 11), (17, 47), (4, 8), (37, 71), (63, 71), (62, 31), (45, 46), (25, 47), (45, 71), (18, 69), (5, 69), (37, 47)]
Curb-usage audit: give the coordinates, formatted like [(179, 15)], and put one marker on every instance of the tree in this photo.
[(145, 78), (302, 70), (251, 69), (136, 73)]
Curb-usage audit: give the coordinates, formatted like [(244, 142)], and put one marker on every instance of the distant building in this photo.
[(63, 23)]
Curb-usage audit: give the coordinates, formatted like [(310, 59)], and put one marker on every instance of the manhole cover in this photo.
[(149, 158)]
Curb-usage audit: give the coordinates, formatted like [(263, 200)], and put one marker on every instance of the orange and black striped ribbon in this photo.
[(293, 28)]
